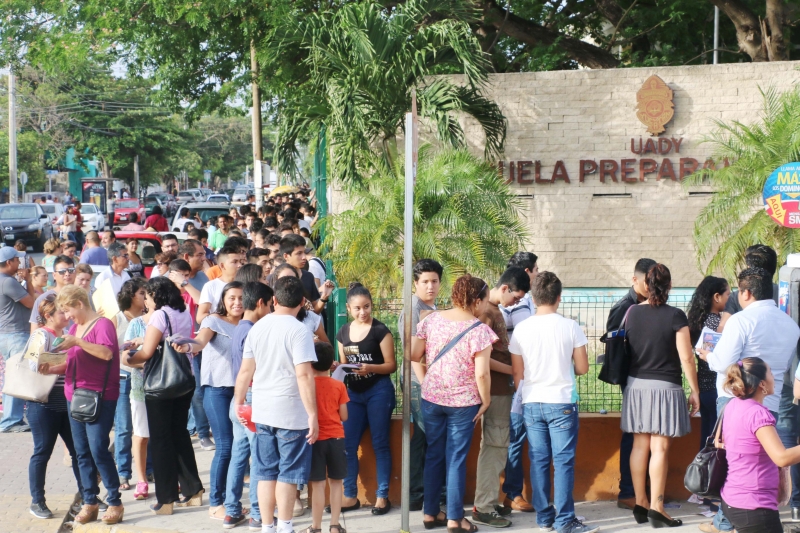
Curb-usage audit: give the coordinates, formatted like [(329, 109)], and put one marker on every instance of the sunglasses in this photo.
[(65, 271)]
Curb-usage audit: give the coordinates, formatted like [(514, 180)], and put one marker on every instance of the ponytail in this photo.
[(743, 377)]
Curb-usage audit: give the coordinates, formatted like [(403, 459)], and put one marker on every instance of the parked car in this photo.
[(204, 210), (53, 211), (218, 199), (190, 195), (149, 246), (206, 193), (240, 194), (123, 210), (27, 222), (168, 202), (93, 218), (150, 202)]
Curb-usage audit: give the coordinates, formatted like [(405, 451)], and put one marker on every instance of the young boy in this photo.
[(327, 454)]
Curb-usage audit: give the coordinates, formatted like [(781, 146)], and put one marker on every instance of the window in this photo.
[(88, 209), (17, 211)]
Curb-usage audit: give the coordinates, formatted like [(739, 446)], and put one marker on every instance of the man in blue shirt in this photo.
[(94, 254)]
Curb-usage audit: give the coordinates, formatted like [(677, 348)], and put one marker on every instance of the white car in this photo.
[(190, 195), (53, 211), (218, 198), (240, 194), (93, 218)]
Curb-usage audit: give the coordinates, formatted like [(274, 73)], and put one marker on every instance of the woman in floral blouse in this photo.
[(455, 393)]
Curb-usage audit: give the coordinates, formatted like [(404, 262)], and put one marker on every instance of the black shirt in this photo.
[(619, 309), (309, 285), (367, 351), (651, 333)]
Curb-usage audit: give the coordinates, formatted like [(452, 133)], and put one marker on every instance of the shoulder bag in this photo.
[(24, 383), (85, 404), (168, 374), (617, 359), (449, 346), (706, 475)]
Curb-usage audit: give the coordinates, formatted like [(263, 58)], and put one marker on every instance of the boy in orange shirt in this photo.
[(328, 459)]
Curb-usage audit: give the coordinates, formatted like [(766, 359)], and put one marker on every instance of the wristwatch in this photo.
[(184, 283)]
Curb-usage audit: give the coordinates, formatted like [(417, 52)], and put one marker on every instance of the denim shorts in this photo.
[(281, 455)]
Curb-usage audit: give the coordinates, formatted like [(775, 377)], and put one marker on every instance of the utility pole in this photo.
[(136, 176), (257, 153), (12, 140), (716, 35)]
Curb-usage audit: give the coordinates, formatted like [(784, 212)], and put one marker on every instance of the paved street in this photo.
[(15, 499)]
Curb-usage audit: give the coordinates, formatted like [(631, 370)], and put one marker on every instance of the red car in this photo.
[(123, 210)]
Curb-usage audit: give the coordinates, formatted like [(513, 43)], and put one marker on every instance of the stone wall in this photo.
[(590, 116)]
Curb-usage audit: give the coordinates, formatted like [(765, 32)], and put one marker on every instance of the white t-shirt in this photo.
[(278, 343), (180, 224), (116, 280), (312, 321), (545, 343), (316, 269), (211, 293)]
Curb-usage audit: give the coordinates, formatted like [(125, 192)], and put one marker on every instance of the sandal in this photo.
[(472, 528), (88, 514), (124, 484), (142, 491), (337, 526), (310, 529), (436, 522), (114, 514), (192, 501)]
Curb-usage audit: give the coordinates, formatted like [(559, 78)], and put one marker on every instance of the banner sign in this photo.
[(782, 195)]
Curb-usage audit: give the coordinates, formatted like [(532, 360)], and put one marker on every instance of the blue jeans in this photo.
[(198, 421), (788, 428), (720, 522), (514, 478), (449, 433), (217, 403), (371, 408), (243, 439), (13, 408), (625, 477), (552, 436), (91, 444), (281, 455), (46, 426), (123, 428)]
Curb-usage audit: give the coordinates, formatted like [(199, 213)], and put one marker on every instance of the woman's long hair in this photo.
[(702, 301)]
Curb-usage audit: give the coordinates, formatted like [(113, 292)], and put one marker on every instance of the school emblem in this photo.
[(654, 106)]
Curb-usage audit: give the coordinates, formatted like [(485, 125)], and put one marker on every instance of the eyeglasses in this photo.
[(159, 263), (65, 271)]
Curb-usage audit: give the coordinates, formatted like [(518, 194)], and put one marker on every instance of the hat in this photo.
[(49, 197), (9, 252)]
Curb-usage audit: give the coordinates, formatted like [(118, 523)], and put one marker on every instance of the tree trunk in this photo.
[(762, 40)]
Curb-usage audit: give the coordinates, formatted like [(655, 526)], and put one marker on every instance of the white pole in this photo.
[(408, 234), (136, 176), (259, 170), (716, 35), (12, 140)]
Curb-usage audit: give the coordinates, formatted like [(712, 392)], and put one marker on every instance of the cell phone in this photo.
[(57, 341)]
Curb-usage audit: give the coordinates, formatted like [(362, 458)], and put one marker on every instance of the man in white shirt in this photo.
[(230, 261), (759, 330), (118, 263), (277, 359), (547, 351)]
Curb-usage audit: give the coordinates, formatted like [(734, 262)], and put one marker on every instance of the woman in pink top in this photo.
[(753, 449), (455, 393)]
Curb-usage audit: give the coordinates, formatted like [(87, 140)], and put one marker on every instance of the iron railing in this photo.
[(591, 312)]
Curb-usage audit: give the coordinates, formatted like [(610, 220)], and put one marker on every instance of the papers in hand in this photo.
[(341, 371), (708, 339), (516, 403), (53, 358), (180, 340)]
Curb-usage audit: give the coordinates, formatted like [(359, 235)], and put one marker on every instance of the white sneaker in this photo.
[(299, 510), (207, 444)]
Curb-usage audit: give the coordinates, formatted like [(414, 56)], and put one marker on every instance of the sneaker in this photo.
[(298, 510), (255, 524), (151, 478), (490, 519), (546, 529), (207, 444), (576, 526), (40, 510), (230, 522), (102, 506), (21, 427), (502, 511)]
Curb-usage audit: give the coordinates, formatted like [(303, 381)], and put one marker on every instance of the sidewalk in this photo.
[(15, 500)]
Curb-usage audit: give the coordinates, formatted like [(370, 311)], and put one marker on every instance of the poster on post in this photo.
[(782, 195), (94, 192)]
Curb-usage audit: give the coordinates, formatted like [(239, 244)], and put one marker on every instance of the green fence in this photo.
[(591, 312)]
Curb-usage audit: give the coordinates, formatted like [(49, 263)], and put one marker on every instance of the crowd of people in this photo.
[(239, 310)]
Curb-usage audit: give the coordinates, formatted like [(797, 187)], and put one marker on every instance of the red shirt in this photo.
[(157, 222), (191, 306), (331, 393)]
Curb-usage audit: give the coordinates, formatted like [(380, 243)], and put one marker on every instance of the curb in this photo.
[(64, 528), (99, 527)]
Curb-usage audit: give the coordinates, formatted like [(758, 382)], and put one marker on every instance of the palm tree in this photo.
[(465, 217), (363, 62), (735, 218)]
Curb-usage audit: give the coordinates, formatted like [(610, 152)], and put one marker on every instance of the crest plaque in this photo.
[(654, 106)]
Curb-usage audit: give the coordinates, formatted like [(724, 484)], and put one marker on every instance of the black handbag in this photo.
[(85, 404), (617, 359), (168, 374), (706, 475)]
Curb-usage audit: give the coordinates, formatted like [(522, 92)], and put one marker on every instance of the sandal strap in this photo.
[(337, 526)]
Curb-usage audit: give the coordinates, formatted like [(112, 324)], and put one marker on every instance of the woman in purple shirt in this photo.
[(170, 444), (753, 449), (92, 358)]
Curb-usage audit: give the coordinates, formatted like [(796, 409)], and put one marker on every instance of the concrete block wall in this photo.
[(570, 116)]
